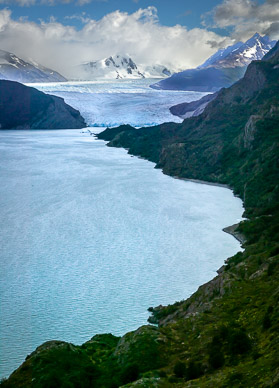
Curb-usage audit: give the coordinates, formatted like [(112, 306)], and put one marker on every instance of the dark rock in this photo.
[(210, 79), (193, 108), (272, 54), (22, 107)]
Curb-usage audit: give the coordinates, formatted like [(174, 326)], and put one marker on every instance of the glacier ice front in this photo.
[(109, 103)]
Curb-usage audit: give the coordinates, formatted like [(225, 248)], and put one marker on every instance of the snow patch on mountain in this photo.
[(222, 69), (14, 68), (241, 54), (121, 67)]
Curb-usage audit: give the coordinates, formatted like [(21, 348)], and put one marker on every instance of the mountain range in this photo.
[(14, 68), (222, 69), (121, 67)]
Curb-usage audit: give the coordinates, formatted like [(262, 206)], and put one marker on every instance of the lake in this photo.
[(91, 237)]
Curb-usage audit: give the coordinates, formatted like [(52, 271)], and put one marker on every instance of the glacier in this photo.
[(106, 103)]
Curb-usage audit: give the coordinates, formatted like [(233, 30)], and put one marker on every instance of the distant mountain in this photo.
[(23, 107), (242, 54), (119, 67), (220, 54), (14, 68), (254, 49), (222, 69)]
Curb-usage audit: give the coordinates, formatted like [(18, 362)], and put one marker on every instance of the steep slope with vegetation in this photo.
[(225, 334)]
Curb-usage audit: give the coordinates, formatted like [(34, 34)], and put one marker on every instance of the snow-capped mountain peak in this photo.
[(241, 54), (119, 67), (222, 69), (16, 69), (113, 67), (220, 54)]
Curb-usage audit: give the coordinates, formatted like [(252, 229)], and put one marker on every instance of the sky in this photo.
[(179, 34)]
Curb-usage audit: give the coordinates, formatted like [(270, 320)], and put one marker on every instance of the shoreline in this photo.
[(232, 231), (204, 182)]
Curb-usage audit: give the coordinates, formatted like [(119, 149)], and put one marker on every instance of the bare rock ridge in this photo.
[(23, 107), (193, 108)]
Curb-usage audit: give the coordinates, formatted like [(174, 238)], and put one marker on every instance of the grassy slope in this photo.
[(226, 334)]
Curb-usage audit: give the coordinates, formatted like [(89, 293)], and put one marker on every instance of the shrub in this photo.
[(216, 358), (266, 322), (239, 342), (235, 379), (191, 371), (271, 268), (180, 369), (267, 318), (130, 373), (194, 370), (215, 351)]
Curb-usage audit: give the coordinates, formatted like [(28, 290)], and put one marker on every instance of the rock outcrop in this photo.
[(193, 108), (23, 107)]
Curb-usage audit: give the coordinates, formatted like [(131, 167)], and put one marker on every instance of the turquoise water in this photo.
[(91, 237)]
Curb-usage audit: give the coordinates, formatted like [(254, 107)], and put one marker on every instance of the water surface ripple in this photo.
[(91, 237)]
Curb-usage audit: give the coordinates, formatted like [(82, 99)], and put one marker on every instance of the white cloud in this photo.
[(247, 17), (138, 34), (83, 18)]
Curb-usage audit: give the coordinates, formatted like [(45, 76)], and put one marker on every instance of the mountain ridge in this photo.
[(220, 70), (121, 66), (13, 68)]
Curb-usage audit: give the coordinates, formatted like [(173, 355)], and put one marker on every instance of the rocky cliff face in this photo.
[(22, 107)]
